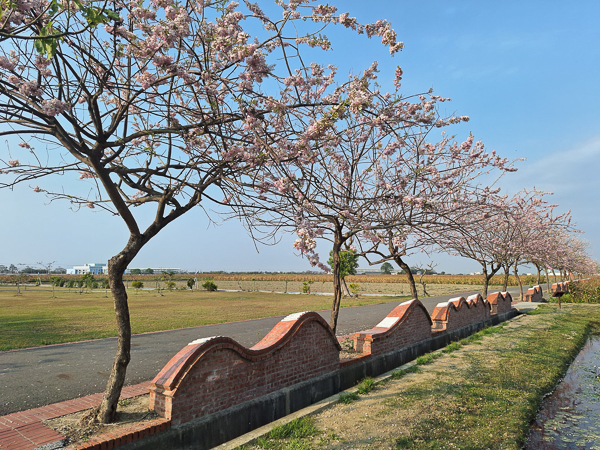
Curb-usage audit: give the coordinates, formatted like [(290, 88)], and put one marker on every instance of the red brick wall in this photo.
[(458, 312), (407, 324), (560, 288), (534, 294), (500, 302), (211, 375)]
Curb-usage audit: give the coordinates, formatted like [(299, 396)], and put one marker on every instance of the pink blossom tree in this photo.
[(439, 197), (352, 171), (165, 106)]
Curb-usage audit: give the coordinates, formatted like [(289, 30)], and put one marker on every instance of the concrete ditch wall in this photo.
[(297, 364)]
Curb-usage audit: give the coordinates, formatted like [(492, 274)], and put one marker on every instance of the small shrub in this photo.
[(354, 288), (209, 285), (404, 442), (137, 284), (306, 287), (428, 358), (348, 397), (297, 428), (190, 283), (397, 374), (451, 347), (366, 385)]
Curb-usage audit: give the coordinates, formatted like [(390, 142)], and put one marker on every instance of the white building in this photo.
[(93, 268)]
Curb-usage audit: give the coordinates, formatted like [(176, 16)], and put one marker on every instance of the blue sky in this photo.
[(527, 74)]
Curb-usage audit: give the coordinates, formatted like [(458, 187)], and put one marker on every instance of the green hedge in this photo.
[(583, 291)]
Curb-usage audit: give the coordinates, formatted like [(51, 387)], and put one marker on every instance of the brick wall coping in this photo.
[(171, 375), (493, 298), (476, 300), (535, 289)]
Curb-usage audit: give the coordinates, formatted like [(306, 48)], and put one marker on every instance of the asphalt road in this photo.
[(39, 376)]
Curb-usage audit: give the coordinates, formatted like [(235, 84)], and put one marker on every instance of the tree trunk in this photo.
[(506, 275), (411, 280), (486, 281), (345, 290), (539, 275), (337, 284), (519, 281), (107, 411)]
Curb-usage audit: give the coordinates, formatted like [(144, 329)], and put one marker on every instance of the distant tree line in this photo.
[(12, 269)]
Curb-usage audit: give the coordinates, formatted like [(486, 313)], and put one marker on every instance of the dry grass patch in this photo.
[(131, 410), (482, 394)]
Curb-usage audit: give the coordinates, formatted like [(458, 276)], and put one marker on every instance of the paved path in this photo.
[(25, 430), (35, 377)]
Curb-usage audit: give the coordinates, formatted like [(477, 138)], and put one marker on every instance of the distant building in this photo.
[(93, 268)]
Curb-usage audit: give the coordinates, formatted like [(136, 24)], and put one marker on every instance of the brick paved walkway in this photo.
[(24, 430)]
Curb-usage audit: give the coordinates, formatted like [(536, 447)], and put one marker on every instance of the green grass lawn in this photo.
[(480, 393), (34, 318)]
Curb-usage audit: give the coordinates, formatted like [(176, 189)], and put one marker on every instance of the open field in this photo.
[(151, 280), (479, 393), (325, 286), (34, 318)]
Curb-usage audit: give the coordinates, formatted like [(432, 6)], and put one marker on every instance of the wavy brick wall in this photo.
[(459, 312), (213, 374), (534, 294), (559, 289), (500, 302), (407, 324)]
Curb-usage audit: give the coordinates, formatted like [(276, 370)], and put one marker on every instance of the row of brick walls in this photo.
[(459, 312), (410, 322), (213, 374)]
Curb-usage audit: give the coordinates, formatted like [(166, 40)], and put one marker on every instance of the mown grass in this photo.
[(34, 318), (290, 436), (491, 396), (496, 399)]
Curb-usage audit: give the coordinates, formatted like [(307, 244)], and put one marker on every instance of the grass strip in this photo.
[(500, 390), (483, 395)]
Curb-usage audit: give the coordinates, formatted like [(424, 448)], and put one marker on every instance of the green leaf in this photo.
[(39, 46), (112, 15)]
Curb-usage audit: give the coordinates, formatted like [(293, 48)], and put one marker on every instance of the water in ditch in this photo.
[(570, 417)]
